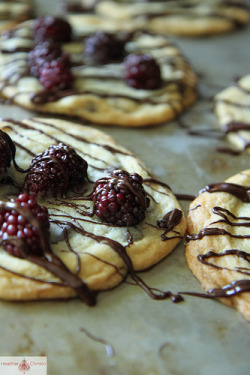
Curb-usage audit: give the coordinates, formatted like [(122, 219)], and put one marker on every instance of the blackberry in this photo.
[(22, 223), (120, 199), (102, 47), (56, 74), (51, 28), (42, 53), (7, 152), (54, 171), (142, 72)]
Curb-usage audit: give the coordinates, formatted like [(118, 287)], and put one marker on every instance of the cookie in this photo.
[(114, 220), (232, 108), (186, 18), (13, 12), (218, 240), (94, 85)]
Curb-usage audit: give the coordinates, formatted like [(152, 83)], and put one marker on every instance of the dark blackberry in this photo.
[(120, 199), (51, 28), (56, 74), (101, 48), (142, 72), (22, 223), (7, 152), (54, 171), (42, 53)]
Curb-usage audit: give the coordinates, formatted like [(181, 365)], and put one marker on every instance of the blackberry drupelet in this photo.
[(22, 223), (120, 199), (51, 28), (141, 71), (102, 48), (54, 171)]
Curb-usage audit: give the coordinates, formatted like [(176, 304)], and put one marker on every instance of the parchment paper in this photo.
[(128, 333)]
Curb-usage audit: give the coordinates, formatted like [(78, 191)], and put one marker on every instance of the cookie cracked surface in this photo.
[(99, 93), (100, 254), (218, 237)]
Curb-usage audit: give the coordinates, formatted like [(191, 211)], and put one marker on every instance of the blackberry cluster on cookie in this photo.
[(23, 223), (120, 198), (54, 171), (47, 61)]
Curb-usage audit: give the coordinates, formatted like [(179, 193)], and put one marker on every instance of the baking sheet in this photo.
[(127, 332)]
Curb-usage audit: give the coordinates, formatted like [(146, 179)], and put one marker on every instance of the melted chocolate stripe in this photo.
[(23, 136), (116, 246), (169, 222), (82, 139), (121, 251), (43, 97), (66, 239), (213, 232), (30, 277), (219, 211), (235, 126), (230, 290), (239, 191), (235, 252), (105, 262), (56, 140), (109, 348), (186, 197), (152, 180)]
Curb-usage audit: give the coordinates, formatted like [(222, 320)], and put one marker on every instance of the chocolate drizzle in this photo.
[(169, 222), (239, 191), (235, 126), (230, 290), (109, 349), (67, 223), (203, 258), (82, 72), (209, 258)]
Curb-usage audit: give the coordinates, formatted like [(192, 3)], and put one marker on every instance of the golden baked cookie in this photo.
[(218, 241), (186, 18), (102, 224), (95, 87), (232, 107), (13, 12)]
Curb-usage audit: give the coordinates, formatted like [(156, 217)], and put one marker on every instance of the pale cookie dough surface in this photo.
[(99, 93), (221, 210), (186, 18), (100, 266), (12, 12), (232, 107)]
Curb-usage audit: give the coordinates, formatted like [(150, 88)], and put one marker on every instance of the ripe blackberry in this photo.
[(120, 199), (101, 48), (22, 223), (7, 152), (51, 28), (56, 74), (142, 72), (42, 53), (54, 171)]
